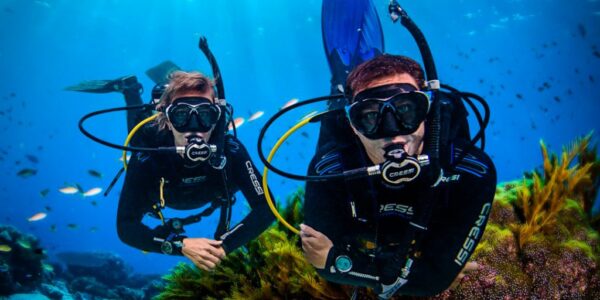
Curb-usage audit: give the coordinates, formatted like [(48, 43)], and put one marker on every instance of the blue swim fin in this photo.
[(352, 34)]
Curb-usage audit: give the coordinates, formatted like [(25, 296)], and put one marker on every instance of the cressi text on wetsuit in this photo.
[(186, 189), (366, 219)]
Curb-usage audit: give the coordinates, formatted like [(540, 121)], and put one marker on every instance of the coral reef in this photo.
[(541, 242), (21, 266)]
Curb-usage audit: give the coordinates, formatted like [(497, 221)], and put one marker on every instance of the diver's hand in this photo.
[(469, 267), (206, 254), (316, 246)]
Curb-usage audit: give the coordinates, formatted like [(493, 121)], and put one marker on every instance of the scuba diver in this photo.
[(355, 230), (398, 193), (192, 117)]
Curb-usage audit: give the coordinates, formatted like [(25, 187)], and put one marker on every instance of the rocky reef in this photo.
[(24, 274), (541, 242)]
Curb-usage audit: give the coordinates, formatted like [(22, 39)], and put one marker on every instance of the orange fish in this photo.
[(256, 115), (290, 103), (37, 217), (238, 122)]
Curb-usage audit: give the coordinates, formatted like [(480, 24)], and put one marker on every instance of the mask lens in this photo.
[(365, 116), (207, 116), (179, 115)]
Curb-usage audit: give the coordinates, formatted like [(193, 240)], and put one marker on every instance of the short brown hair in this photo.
[(181, 82), (383, 66)]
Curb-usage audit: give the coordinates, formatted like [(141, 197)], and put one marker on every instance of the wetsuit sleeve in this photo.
[(134, 204), (327, 210), (246, 176), (454, 233)]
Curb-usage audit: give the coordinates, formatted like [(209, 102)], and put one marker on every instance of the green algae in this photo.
[(583, 246)]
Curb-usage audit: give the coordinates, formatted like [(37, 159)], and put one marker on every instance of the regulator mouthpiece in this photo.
[(197, 150), (399, 167)]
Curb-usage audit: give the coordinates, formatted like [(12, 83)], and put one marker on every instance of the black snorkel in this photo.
[(433, 128), (217, 160)]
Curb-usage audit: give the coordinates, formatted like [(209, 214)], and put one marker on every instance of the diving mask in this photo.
[(188, 114), (388, 110)]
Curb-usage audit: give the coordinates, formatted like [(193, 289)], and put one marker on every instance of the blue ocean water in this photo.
[(536, 62)]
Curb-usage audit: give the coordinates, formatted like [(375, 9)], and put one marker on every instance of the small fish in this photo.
[(304, 134), (591, 78), (72, 226), (44, 192), (557, 99), (289, 103), (519, 96), (238, 122), (69, 190), (596, 54), (5, 248), (32, 158), (26, 172), (37, 217), (256, 115), (79, 188), (93, 229), (94, 203), (95, 173), (53, 228), (92, 192), (48, 208), (24, 244)]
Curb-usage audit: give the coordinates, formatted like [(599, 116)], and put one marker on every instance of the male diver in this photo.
[(189, 115), (412, 230)]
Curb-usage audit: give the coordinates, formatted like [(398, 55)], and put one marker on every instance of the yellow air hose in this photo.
[(265, 171), (132, 133)]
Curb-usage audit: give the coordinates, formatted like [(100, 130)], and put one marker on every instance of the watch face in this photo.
[(343, 263), (166, 248)]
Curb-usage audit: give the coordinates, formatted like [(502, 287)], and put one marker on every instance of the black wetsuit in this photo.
[(186, 189), (362, 214)]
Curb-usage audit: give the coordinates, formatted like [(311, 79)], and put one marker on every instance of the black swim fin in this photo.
[(106, 86), (160, 73)]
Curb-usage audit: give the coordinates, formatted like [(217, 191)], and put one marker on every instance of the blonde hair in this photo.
[(181, 82)]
